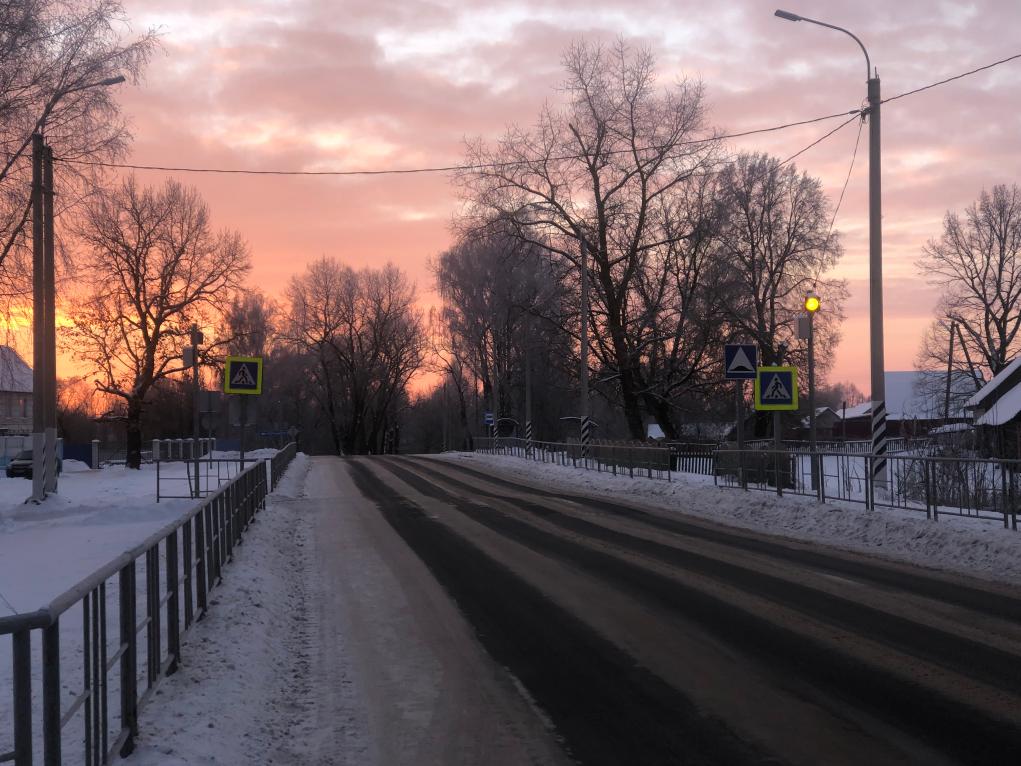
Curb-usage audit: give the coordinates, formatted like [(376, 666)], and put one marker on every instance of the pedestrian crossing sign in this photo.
[(776, 388), (243, 375)]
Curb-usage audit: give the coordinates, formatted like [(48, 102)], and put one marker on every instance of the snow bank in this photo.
[(237, 697), (74, 466), (966, 546)]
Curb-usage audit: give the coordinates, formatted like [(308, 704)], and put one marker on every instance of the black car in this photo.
[(21, 465)]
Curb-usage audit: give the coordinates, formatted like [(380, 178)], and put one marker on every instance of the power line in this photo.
[(951, 79), (442, 168), (857, 115), (516, 163)]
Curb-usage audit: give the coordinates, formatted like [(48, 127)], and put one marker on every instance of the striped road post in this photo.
[(528, 438), (586, 435), (879, 444)]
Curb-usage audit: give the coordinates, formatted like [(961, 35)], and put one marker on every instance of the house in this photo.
[(995, 409), (15, 393), (915, 404), (827, 424)]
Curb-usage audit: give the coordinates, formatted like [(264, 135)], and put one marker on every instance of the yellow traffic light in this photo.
[(812, 303)]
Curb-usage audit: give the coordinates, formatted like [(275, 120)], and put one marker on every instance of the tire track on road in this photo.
[(608, 709), (917, 710)]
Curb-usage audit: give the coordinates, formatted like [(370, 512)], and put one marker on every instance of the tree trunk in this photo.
[(134, 436)]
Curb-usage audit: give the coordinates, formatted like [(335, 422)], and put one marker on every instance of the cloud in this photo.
[(316, 85)]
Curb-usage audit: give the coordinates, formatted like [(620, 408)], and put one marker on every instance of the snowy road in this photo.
[(646, 638)]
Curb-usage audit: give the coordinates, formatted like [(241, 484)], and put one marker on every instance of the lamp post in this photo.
[(875, 259), (812, 305), (44, 332)]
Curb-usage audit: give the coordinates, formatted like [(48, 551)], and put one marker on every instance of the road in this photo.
[(628, 636)]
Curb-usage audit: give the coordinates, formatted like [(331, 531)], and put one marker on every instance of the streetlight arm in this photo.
[(788, 16)]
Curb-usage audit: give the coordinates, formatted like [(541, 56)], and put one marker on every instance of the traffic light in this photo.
[(811, 303)]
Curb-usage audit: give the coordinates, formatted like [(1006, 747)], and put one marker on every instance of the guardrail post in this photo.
[(201, 559), (129, 659), (51, 694), (21, 646), (173, 606), (188, 578)]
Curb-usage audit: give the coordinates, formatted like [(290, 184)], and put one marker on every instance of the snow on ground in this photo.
[(46, 549), (966, 546), (232, 702)]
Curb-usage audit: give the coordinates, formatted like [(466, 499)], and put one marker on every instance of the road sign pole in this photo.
[(739, 407), (244, 426)]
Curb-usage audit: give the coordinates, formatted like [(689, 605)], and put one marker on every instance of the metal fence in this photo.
[(159, 588), (212, 473), (618, 459), (916, 481), (935, 485)]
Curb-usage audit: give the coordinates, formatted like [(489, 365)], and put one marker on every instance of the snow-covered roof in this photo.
[(918, 395), (1003, 409), (15, 375), (951, 428), (857, 411), (653, 431), (997, 380)]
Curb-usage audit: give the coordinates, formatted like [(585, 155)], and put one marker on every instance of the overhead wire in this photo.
[(515, 163)]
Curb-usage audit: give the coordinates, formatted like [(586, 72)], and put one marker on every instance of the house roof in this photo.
[(919, 395), (995, 385), (15, 375)]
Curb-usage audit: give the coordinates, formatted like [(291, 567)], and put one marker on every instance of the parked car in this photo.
[(21, 465)]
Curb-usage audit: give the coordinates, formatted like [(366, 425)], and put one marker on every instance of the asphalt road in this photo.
[(646, 638)]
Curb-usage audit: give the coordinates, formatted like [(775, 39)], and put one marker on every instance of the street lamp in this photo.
[(44, 326), (875, 258), (812, 305)]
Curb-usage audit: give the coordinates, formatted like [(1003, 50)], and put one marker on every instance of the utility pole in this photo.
[(196, 339), (528, 389), (778, 428), (878, 373), (50, 335), (38, 326), (950, 371), (586, 426)]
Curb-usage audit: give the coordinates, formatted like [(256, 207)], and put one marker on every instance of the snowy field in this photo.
[(46, 549), (953, 544)]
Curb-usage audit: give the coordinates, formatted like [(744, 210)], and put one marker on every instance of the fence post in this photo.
[(21, 646), (129, 673), (200, 558), (187, 571), (173, 605), (51, 694)]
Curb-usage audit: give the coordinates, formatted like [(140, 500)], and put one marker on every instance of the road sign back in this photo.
[(739, 361), (776, 388), (243, 375)]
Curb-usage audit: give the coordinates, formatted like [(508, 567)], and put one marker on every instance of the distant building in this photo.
[(915, 404), (15, 393), (995, 409)]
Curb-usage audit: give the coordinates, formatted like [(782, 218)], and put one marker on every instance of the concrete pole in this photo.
[(196, 432), (584, 422), (876, 290), (528, 389), (38, 326), (50, 336), (812, 441)]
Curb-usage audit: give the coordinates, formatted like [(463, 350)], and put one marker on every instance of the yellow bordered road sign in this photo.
[(776, 388), (243, 375)]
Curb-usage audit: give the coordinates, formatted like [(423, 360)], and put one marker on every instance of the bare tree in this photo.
[(366, 340), (976, 264), (51, 53), (777, 245), (605, 172), (154, 266), (249, 323)]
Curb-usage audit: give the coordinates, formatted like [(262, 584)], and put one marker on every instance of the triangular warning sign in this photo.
[(776, 391), (741, 362), (242, 377)]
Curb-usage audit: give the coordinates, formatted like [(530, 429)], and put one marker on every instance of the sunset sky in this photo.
[(318, 85)]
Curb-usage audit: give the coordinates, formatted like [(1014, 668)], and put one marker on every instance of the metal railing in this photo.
[(937, 486), (160, 588), (618, 459), (213, 473), (279, 462), (974, 488)]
